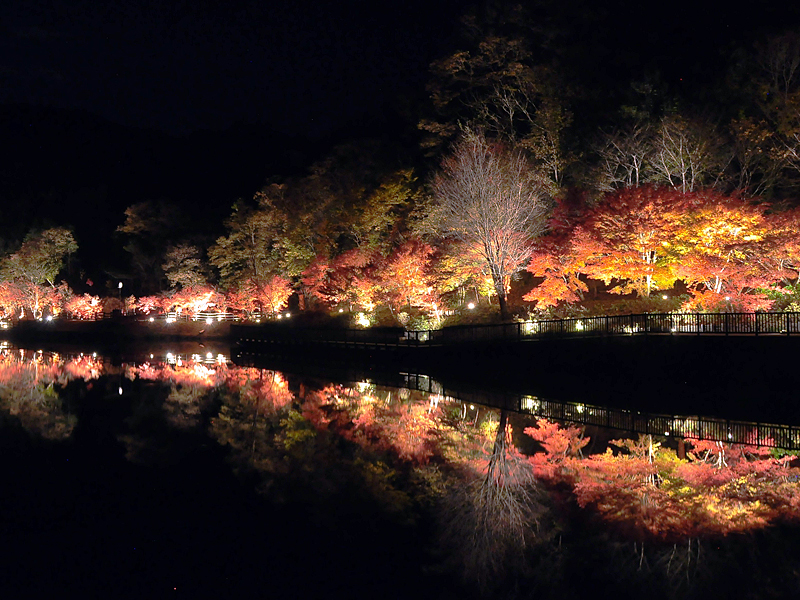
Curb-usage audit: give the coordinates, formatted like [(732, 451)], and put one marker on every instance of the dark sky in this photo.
[(309, 68), (301, 67)]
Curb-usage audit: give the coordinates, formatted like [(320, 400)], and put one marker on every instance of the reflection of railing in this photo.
[(691, 427)]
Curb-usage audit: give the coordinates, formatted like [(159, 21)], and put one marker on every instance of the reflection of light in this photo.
[(209, 355), (221, 358), (179, 362), (49, 318), (471, 305)]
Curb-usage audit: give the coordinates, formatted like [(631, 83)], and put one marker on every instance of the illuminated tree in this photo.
[(36, 265), (687, 154), (725, 245), (405, 279), (183, 266), (489, 197), (626, 157), (84, 307)]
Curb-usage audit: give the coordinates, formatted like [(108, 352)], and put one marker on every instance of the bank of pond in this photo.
[(177, 470)]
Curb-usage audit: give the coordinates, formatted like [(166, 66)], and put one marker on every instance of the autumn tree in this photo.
[(489, 197), (183, 266), (687, 154), (499, 86), (34, 268)]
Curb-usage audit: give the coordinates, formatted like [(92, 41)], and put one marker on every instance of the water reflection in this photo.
[(512, 497)]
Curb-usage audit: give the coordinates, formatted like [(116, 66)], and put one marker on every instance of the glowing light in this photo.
[(580, 408), (280, 316), (341, 310), (288, 315), (727, 298), (363, 320), (119, 390), (472, 407), (209, 355), (151, 356), (209, 320), (579, 325), (152, 319), (120, 285), (170, 319), (664, 296), (471, 305), (94, 354), (49, 318)]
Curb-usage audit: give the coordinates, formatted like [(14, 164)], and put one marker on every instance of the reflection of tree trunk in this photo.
[(490, 520)]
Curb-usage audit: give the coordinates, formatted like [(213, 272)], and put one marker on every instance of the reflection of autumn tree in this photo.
[(491, 518), (30, 390), (646, 492)]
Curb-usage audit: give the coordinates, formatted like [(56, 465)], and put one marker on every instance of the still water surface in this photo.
[(173, 470)]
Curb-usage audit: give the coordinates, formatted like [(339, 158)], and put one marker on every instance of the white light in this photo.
[(280, 316), (152, 319), (727, 297), (664, 296), (49, 317), (288, 315), (341, 310), (120, 390), (666, 433), (151, 356), (94, 354), (471, 305), (472, 407), (120, 285), (209, 320), (209, 355), (258, 320), (170, 319)]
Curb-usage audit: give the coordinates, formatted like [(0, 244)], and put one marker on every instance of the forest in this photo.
[(522, 190)]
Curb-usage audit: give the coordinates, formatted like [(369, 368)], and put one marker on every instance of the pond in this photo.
[(174, 470)]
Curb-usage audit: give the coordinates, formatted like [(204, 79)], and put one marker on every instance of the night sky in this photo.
[(107, 104)]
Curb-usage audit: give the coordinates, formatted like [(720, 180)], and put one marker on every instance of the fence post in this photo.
[(726, 323), (697, 322), (756, 319)]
